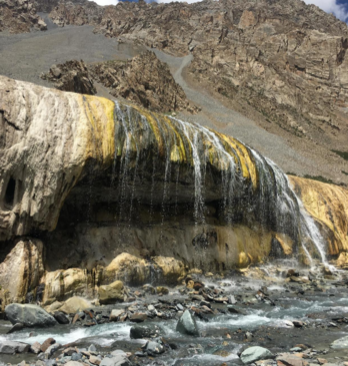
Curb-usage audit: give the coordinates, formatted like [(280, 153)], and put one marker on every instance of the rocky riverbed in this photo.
[(292, 317)]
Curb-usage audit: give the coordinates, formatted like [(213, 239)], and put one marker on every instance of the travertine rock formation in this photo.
[(71, 76), (328, 205), (19, 16), (143, 80), (285, 58), (115, 192)]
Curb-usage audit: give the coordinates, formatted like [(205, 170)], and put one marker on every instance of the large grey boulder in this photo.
[(117, 360), (13, 347), (29, 315), (253, 354), (144, 331), (187, 324)]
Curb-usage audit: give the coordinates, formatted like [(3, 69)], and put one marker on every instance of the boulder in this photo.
[(253, 354), (154, 348), (187, 324), (29, 315), (47, 343), (109, 294), (11, 347), (115, 314), (138, 317), (144, 331), (75, 304), (61, 317), (117, 360), (35, 348), (74, 363)]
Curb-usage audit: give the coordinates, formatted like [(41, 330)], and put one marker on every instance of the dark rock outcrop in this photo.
[(144, 80), (71, 76), (19, 16)]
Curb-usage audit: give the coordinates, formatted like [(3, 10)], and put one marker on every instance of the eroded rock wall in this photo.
[(115, 192)]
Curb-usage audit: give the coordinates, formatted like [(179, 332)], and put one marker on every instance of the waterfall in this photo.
[(212, 168)]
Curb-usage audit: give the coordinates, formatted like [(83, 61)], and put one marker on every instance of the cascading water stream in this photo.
[(251, 187)]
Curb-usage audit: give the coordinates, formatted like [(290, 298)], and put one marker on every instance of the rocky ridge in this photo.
[(143, 80), (285, 59), (19, 16), (72, 76)]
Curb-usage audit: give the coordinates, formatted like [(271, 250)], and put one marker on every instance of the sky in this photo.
[(338, 7)]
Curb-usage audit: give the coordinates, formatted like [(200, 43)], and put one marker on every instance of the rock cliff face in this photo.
[(114, 192), (285, 58), (19, 16)]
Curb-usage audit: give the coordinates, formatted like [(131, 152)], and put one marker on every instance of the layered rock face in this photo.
[(19, 16), (285, 58), (115, 193)]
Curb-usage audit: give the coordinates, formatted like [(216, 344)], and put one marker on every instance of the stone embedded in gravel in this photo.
[(291, 360), (253, 354), (47, 343), (51, 349), (29, 315), (11, 347), (74, 363), (144, 331), (94, 360), (187, 324), (340, 343), (61, 317), (115, 314), (117, 360), (35, 348), (138, 317), (76, 356)]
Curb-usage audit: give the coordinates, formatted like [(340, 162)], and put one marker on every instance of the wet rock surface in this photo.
[(264, 334)]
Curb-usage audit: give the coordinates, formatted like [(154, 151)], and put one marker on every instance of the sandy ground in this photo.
[(26, 56)]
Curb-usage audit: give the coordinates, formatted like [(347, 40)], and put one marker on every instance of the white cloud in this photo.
[(106, 2), (330, 6)]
